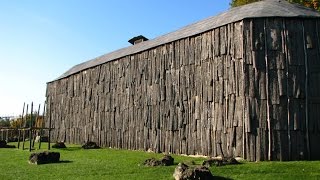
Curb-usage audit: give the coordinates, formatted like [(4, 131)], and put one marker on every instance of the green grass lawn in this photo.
[(123, 164)]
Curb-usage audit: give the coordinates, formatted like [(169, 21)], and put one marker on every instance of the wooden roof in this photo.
[(266, 8)]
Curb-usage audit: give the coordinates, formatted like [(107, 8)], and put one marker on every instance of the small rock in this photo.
[(3, 144), (150, 150), (239, 159), (44, 157), (183, 172), (152, 162), (211, 162), (59, 145), (179, 171), (233, 161), (202, 172), (165, 161), (90, 145), (220, 162)]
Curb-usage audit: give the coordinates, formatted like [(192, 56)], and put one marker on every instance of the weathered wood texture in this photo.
[(238, 90)]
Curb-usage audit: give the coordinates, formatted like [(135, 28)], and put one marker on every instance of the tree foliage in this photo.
[(37, 121), (308, 3), (236, 3), (4, 123)]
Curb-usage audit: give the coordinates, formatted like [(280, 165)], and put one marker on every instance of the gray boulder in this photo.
[(59, 145), (90, 145), (167, 160), (44, 157), (184, 172), (3, 144), (220, 162)]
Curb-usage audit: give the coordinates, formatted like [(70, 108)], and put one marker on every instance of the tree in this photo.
[(236, 3), (37, 121), (308, 3), (4, 122)]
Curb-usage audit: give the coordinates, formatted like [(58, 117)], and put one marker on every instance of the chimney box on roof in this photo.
[(137, 39)]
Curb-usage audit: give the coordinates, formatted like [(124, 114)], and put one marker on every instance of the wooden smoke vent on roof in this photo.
[(137, 39)]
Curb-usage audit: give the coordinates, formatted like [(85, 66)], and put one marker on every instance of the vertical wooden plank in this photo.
[(312, 77), (238, 39), (197, 57), (223, 40)]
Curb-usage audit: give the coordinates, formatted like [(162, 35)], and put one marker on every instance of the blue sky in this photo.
[(40, 40)]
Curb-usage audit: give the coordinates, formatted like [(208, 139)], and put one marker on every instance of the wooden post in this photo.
[(306, 90), (49, 133), (267, 93), (24, 125), (43, 114), (40, 135), (34, 133), (19, 136), (23, 138), (10, 134), (7, 135), (287, 82), (19, 131), (30, 128)]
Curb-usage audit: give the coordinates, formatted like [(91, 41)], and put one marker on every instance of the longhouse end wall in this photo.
[(245, 89), (281, 89)]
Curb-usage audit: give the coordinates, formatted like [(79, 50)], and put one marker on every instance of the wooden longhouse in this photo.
[(243, 83)]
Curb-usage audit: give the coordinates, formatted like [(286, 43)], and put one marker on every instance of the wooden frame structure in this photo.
[(25, 131)]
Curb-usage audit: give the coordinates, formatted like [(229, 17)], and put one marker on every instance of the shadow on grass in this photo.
[(69, 148), (8, 147), (60, 162), (175, 164), (221, 178), (64, 161)]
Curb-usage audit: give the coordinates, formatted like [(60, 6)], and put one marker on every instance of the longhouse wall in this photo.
[(249, 89)]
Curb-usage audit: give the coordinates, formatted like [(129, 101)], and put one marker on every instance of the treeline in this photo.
[(23, 122), (308, 3), (4, 123)]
